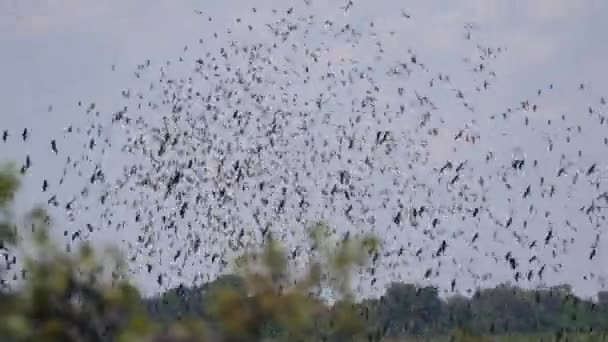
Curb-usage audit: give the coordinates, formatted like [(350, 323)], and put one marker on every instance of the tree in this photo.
[(278, 303), (64, 297), (9, 183)]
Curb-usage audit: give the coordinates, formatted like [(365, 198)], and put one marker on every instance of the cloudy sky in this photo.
[(61, 52)]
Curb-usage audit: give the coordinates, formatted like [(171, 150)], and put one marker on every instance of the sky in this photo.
[(61, 52)]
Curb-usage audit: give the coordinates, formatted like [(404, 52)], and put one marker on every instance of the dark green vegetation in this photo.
[(85, 296), (407, 310)]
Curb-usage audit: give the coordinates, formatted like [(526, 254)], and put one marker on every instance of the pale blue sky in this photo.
[(57, 53)]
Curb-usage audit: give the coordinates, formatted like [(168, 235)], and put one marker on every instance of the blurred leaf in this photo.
[(17, 325), (275, 259), (9, 183), (7, 233)]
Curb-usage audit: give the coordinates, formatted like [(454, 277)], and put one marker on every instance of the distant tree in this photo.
[(467, 335), (457, 312), (602, 297)]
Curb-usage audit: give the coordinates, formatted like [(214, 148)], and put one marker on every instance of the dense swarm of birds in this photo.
[(313, 119)]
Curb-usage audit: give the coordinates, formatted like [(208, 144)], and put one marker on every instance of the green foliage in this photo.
[(275, 302), (64, 297), (9, 183)]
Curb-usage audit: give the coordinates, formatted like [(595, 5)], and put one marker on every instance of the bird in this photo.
[(284, 126)]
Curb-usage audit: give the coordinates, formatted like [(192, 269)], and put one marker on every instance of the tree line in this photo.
[(410, 310)]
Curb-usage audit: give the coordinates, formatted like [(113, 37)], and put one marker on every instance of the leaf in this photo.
[(18, 325), (275, 259), (318, 233), (9, 184), (7, 233)]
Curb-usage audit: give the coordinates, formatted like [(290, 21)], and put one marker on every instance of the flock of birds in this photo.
[(236, 139)]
